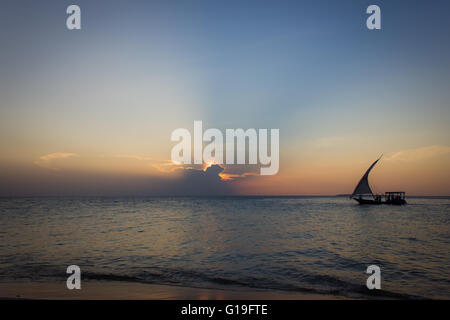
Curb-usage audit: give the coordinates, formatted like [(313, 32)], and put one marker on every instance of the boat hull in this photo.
[(397, 202), (367, 201)]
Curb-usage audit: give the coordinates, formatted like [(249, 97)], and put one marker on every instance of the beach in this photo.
[(109, 290)]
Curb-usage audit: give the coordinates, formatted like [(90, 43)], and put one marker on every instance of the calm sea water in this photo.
[(304, 244)]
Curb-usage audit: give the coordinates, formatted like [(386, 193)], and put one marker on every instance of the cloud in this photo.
[(202, 182), (230, 173), (168, 166), (48, 160), (124, 174), (419, 154), (231, 176), (77, 181), (164, 166), (133, 157), (56, 155)]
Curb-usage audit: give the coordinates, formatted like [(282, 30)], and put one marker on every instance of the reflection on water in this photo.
[(310, 244)]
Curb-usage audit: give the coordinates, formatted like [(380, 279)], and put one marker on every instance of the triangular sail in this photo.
[(363, 185)]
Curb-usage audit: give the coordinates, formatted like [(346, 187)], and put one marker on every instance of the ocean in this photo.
[(319, 245)]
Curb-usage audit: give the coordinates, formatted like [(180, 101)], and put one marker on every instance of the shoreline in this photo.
[(114, 290)]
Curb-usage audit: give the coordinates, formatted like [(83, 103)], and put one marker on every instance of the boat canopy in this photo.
[(363, 185)]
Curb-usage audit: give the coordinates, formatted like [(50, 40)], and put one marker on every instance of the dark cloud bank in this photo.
[(192, 182)]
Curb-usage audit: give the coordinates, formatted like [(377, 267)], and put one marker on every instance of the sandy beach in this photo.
[(108, 290)]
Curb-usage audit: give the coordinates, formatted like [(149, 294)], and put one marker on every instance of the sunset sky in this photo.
[(90, 112)]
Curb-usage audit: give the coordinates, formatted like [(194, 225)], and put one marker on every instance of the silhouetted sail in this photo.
[(363, 185)]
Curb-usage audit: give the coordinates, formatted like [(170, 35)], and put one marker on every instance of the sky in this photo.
[(91, 111)]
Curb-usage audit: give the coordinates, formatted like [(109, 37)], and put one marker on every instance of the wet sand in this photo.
[(108, 290)]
